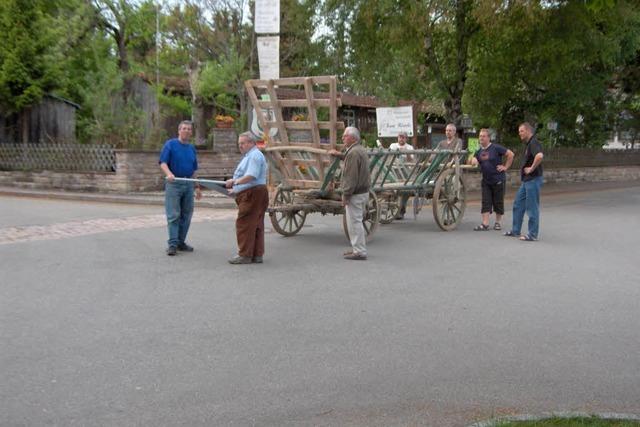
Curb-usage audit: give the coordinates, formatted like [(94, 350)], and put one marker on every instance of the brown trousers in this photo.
[(252, 204)]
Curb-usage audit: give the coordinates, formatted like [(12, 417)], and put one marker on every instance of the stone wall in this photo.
[(564, 175), (136, 171)]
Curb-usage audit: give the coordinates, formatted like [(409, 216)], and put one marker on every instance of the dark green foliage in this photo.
[(29, 60)]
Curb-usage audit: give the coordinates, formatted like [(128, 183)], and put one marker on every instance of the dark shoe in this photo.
[(399, 216), (185, 248), (497, 226), (240, 260), (356, 257), (511, 234), (256, 260), (171, 250), (481, 227)]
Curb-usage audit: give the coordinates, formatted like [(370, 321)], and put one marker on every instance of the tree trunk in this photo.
[(197, 107)]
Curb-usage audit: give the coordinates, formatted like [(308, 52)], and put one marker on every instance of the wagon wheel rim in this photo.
[(448, 205), (389, 206), (287, 223), (370, 220)]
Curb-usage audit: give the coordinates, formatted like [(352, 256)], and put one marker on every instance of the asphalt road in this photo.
[(99, 327)]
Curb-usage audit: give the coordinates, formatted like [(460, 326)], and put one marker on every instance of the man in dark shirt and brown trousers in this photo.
[(355, 190), (528, 196)]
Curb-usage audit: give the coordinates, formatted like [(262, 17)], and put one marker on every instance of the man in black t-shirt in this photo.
[(528, 196), (490, 158)]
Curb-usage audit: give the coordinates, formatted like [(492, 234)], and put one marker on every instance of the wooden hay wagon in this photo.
[(424, 176), (298, 117)]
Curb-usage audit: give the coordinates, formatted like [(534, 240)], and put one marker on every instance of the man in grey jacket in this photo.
[(355, 190)]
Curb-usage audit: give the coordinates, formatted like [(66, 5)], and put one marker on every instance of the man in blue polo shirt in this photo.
[(178, 159), (490, 158), (249, 185)]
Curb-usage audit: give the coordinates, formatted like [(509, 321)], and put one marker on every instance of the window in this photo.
[(349, 117)]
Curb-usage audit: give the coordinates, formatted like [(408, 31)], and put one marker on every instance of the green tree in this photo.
[(541, 63), (417, 50)]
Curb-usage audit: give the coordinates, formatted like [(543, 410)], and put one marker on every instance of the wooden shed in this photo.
[(53, 120)]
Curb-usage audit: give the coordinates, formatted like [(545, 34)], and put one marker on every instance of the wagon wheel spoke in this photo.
[(287, 222)]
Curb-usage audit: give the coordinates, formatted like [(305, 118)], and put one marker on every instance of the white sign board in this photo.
[(269, 57), (392, 121), (267, 17)]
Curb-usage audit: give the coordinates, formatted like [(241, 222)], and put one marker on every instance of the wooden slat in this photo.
[(264, 124), (282, 167), (312, 114), (306, 125), (309, 149), (298, 103), (291, 81), (277, 110), (303, 183), (333, 114)]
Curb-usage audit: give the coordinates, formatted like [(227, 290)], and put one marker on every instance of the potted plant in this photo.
[(224, 121)]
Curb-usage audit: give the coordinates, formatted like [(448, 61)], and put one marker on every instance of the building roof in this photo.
[(181, 85), (361, 101), (66, 101)]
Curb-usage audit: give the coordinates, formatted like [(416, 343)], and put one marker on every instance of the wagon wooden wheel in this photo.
[(370, 219), (449, 200), (389, 206), (287, 222)]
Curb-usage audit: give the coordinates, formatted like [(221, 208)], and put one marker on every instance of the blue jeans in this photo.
[(178, 203), (527, 200)]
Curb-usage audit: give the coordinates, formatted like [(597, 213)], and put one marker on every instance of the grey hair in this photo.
[(528, 126), (249, 136), (451, 124), (185, 122), (354, 132)]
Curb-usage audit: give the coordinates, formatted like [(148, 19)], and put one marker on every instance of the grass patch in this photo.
[(571, 422)]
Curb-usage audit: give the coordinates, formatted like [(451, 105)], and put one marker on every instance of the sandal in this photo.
[(497, 226), (511, 234), (528, 238), (481, 227)]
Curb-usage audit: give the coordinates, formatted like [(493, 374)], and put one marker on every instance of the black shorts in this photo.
[(493, 197)]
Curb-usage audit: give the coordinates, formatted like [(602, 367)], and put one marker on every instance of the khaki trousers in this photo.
[(354, 210)]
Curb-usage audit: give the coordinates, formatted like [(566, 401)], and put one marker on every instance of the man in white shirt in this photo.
[(402, 145)]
